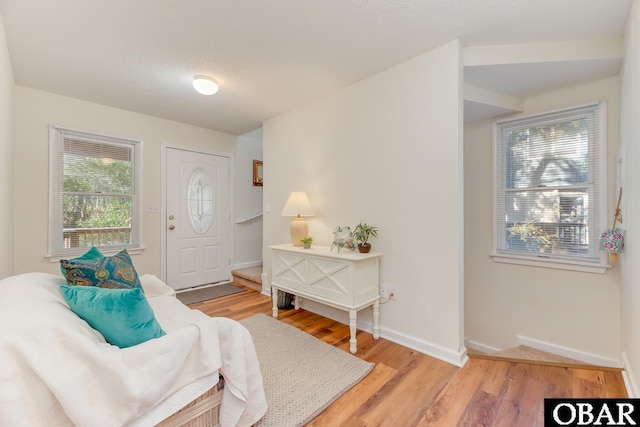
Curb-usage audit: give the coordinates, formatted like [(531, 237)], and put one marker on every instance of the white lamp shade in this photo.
[(297, 204), (205, 85)]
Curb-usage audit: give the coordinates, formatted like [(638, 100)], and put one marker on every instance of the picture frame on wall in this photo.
[(257, 173)]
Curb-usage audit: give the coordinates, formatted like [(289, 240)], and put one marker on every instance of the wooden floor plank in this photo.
[(559, 382), (614, 386), (524, 399), (497, 377), (485, 404), (482, 409), (408, 395), (342, 411), (450, 405), (589, 384), (408, 388)]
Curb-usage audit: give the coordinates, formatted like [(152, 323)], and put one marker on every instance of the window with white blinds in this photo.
[(94, 192), (549, 185)]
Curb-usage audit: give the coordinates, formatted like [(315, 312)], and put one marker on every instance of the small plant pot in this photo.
[(364, 248), (306, 245)]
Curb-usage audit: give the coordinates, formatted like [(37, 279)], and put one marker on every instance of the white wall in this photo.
[(630, 259), (248, 201), (571, 309), (6, 157), (35, 111), (386, 150)]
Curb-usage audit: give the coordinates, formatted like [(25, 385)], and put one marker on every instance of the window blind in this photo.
[(549, 184), (94, 192)]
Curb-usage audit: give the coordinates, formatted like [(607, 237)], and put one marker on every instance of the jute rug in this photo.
[(203, 294), (302, 375)]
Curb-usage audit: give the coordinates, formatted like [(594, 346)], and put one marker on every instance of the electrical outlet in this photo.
[(387, 291), (384, 291), (392, 292)]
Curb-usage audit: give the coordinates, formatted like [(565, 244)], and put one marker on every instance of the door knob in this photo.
[(171, 227), (171, 217)]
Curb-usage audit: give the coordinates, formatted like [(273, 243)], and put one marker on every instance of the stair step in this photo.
[(250, 277), (525, 354)]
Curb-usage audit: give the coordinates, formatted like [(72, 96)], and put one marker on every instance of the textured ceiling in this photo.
[(268, 55)]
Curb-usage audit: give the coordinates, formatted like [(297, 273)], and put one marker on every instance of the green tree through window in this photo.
[(94, 192)]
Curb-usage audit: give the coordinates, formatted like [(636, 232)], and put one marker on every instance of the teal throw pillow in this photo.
[(93, 253), (123, 316), (115, 272)]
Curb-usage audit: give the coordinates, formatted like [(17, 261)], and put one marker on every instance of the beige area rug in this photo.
[(302, 375), (202, 294)]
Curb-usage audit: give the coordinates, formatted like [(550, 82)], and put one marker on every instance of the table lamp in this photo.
[(298, 206)]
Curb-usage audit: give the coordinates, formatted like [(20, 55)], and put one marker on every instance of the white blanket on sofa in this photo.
[(55, 370)]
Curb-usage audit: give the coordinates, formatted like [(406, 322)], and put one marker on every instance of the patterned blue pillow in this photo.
[(92, 254), (123, 316), (114, 272)]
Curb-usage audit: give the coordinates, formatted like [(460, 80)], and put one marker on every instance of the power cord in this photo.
[(388, 299)]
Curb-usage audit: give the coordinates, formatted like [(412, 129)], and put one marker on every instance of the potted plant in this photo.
[(361, 235), (306, 241)]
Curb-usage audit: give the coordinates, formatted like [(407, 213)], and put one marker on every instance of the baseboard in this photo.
[(482, 348), (247, 264), (583, 356), (431, 349), (629, 378)]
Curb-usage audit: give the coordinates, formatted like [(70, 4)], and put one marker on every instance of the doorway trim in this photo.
[(163, 201)]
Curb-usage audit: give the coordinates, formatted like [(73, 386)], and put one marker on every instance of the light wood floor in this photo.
[(408, 388)]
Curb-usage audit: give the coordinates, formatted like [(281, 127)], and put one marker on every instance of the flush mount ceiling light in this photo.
[(205, 85)]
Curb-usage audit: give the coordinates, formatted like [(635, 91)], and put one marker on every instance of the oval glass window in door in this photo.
[(200, 201)]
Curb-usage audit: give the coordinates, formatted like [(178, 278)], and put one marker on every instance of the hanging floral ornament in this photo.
[(612, 239)]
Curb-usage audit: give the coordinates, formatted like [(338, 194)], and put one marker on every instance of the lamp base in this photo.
[(299, 228)]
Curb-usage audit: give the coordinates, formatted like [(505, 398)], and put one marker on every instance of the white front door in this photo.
[(198, 219)]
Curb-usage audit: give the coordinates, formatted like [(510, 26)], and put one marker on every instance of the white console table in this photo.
[(347, 280)]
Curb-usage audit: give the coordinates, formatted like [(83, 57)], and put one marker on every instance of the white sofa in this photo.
[(57, 370)]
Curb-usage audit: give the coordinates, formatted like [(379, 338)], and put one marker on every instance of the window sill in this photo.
[(551, 263), (136, 250)]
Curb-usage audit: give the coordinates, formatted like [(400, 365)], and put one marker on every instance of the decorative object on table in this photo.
[(612, 240), (342, 238), (257, 173), (285, 300), (298, 206), (306, 241), (361, 235)]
